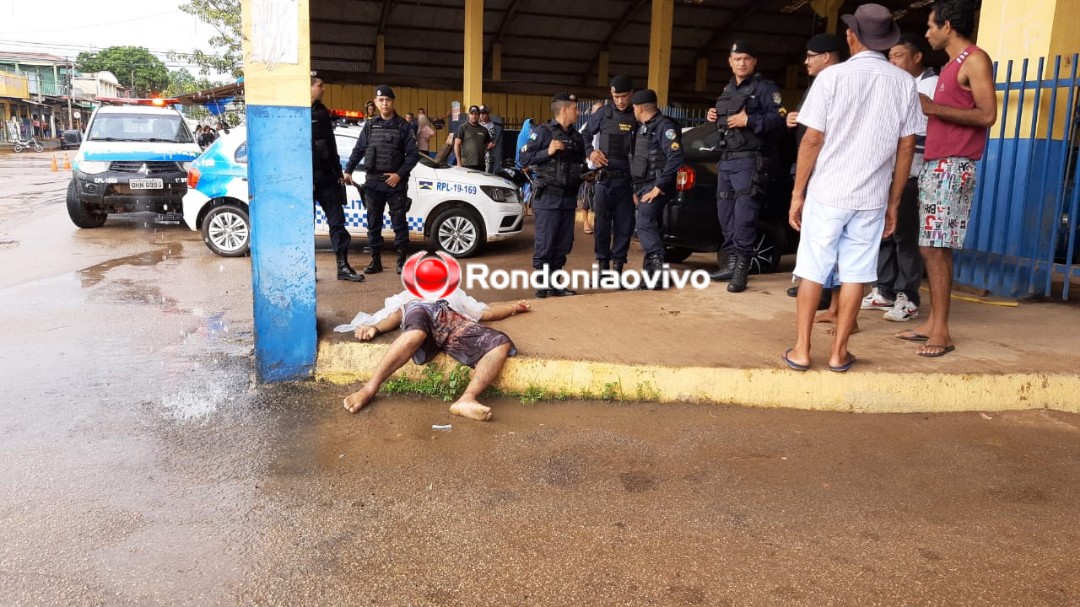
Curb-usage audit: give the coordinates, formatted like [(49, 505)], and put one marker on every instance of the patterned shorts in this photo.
[(946, 189), (463, 339)]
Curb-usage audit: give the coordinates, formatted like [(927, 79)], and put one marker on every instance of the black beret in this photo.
[(564, 97), (824, 43), (622, 84), (643, 96), (742, 46), (384, 91)]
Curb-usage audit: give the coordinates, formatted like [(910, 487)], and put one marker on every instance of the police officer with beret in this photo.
[(326, 173), (746, 113), (556, 153), (655, 158), (613, 199), (389, 145)]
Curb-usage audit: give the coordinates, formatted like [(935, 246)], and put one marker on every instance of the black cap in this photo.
[(484, 109), (622, 84), (742, 46), (564, 97), (384, 90), (824, 43), (474, 109), (643, 97)]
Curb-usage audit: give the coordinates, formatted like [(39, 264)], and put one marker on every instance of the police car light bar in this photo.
[(151, 101), (348, 114)]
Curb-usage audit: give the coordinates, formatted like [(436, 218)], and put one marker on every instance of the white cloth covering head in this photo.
[(458, 301)]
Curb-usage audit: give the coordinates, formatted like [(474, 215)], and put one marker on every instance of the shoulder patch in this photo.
[(675, 146), (777, 99), (670, 134), (524, 147)]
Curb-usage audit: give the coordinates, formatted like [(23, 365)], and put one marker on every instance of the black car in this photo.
[(70, 140), (691, 224)]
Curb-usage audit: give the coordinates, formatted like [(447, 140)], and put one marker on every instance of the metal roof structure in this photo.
[(551, 45)]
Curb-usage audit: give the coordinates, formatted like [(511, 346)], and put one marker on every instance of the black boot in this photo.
[(345, 271), (605, 264), (376, 262), (617, 268), (657, 264), (725, 273), (739, 276), (400, 259)]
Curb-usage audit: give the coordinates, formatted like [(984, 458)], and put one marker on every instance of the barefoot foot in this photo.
[(472, 410), (827, 317), (832, 330), (359, 399)]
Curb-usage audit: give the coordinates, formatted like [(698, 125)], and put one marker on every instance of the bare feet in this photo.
[(471, 409), (828, 316), (359, 399), (832, 330)]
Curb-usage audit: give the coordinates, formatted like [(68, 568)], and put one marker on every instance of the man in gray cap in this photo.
[(861, 118), (472, 141), (389, 145), (613, 199)]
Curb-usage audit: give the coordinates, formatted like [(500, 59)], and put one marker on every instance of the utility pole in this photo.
[(70, 93)]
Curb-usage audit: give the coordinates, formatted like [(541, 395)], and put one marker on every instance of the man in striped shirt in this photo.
[(861, 118)]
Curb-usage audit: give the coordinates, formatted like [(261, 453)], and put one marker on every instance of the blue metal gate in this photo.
[(1023, 235)]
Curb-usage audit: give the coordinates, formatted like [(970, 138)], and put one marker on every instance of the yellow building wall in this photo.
[(14, 86), (1012, 30), (514, 109)]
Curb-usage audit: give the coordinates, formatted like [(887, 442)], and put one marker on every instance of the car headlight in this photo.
[(500, 194), (92, 167), (186, 166)]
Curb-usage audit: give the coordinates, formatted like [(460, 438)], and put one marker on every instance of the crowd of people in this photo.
[(883, 183)]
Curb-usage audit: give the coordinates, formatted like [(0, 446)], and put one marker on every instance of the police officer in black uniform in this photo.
[(326, 173), (389, 145), (613, 199), (556, 153), (656, 155), (746, 113)]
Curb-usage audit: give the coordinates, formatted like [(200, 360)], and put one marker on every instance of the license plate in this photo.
[(146, 184)]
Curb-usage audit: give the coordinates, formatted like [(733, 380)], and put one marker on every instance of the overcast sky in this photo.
[(66, 27)]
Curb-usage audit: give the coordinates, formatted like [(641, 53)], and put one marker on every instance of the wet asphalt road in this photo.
[(139, 465)]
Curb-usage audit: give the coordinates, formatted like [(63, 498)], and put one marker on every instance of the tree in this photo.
[(134, 67), (223, 16)]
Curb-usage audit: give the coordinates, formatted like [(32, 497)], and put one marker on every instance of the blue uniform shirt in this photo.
[(412, 154), (535, 151), (665, 134), (762, 106)]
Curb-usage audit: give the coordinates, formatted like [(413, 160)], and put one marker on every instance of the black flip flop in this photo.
[(911, 336), (942, 352)]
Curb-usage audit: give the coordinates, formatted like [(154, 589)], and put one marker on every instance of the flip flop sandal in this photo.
[(844, 367), (938, 352), (909, 335), (794, 365)]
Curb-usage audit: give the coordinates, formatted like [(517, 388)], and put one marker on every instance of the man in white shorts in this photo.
[(860, 118)]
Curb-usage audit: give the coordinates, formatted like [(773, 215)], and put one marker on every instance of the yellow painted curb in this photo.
[(860, 391)]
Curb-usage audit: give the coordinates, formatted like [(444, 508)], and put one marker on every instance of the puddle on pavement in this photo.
[(96, 273)]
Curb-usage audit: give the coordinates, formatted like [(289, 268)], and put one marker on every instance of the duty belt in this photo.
[(605, 174), (738, 155)]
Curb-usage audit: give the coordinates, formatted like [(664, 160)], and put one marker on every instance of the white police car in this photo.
[(458, 209)]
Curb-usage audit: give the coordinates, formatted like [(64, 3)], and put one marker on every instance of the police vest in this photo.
[(731, 102), (386, 149), (615, 130), (645, 160), (563, 170)]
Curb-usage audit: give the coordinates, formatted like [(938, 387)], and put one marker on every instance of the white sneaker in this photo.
[(903, 310), (874, 301)]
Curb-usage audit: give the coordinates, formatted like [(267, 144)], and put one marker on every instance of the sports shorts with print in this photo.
[(946, 190)]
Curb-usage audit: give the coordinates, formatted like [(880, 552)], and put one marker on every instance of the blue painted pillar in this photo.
[(277, 88)]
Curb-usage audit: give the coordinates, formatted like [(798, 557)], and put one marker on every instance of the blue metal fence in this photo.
[(1024, 230)]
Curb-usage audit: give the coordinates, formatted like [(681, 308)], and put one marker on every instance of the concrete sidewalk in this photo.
[(714, 346)]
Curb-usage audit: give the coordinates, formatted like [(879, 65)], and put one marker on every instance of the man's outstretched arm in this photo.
[(369, 332), (505, 310)]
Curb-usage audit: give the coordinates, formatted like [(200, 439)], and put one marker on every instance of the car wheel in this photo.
[(80, 215), (766, 259), (458, 231), (226, 230), (676, 254)]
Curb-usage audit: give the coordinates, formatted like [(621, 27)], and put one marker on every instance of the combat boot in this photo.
[(400, 259), (657, 263), (617, 267), (345, 271), (725, 273), (605, 264), (739, 276), (376, 262)]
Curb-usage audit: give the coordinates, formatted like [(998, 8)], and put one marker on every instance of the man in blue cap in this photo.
[(746, 113), (556, 153)]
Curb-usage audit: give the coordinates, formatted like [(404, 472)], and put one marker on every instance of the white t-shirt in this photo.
[(458, 301), (926, 84)]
